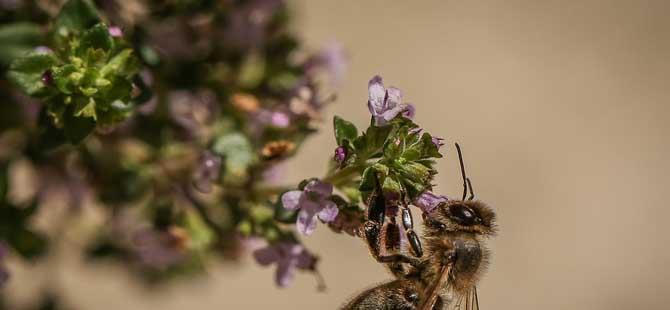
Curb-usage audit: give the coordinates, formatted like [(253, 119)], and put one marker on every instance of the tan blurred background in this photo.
[(563, 111)]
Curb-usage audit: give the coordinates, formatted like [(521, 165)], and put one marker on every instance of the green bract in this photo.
[(87, 80), (398, 157)]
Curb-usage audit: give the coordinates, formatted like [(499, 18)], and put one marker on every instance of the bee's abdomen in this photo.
[(395, 295)]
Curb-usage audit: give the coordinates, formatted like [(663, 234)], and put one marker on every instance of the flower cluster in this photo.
[(393, 156), (174, 118), (170, 117)]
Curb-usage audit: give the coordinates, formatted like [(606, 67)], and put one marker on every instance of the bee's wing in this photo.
[(431, 293), (467, 301)]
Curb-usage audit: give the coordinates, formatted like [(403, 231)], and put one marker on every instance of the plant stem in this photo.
[(341, 176)]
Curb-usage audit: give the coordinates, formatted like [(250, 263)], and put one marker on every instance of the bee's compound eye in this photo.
[(463, 215)]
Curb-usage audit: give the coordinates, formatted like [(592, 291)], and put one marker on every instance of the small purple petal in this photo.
[(340, 154), (409, 112), (267, 255), (393, 97), (285, 272), (428, 201), (393, 112), (376, 95), (280, 119), (43, 49), (306, 223), (416, 130), (291, 200), (289, 249), (329, 212), (322, 189), (209, 169), (115, 31), (305, 260), (438, 142)]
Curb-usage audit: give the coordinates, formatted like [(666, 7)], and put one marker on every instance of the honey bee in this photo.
[(455, 256)]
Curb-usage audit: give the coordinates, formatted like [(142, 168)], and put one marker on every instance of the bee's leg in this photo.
[(375, 240), (387, 237), (408, 224)]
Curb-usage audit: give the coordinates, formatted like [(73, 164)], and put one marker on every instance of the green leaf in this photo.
[(63, 80), (76, 15), (370, 174), (201, 236), (122, 64), (391, 187), (344, 130), (252, 70), (96, 38), (413, 171), (86, 109), (429, 148), (26, 72), (414, 189), (372, 141), (368, 182), (237, 153), (18, 39), (77, 128), (95, 58)]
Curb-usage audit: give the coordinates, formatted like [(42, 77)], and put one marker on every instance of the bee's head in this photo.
[(471, 216)]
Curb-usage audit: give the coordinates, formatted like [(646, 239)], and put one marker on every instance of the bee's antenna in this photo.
[(472, 191), (465, 179)]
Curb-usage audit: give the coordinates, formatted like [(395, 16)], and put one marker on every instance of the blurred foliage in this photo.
[(126, 106)]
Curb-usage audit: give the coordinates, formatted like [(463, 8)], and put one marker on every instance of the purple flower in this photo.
[(248, 23), (43, 49), (428, 201), (410, 111), (313, 202), (385, 104), (332, 59), (340, 154), (277, 119), (288, 256), (115, 31), (438, 142), (208, 171), (47, 78)]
